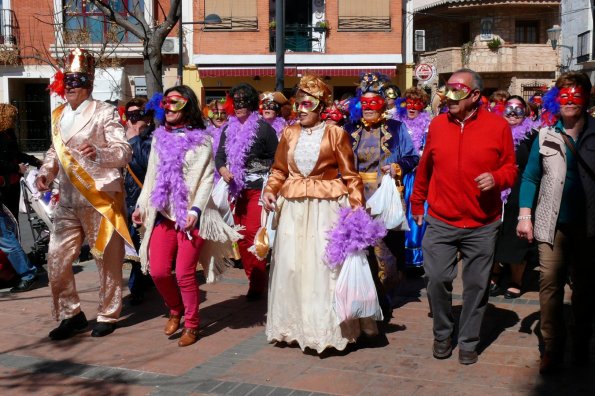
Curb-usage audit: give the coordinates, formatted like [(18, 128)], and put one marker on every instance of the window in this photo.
[(486, 25), (235, 15), (364, 15), (527, 32), (582, 47), (7, 26), (85, 23)]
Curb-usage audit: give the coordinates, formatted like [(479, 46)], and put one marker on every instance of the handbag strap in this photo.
[(136, 180), (580, 159)]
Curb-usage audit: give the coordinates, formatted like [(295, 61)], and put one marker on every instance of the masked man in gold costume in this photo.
[(88, 150)]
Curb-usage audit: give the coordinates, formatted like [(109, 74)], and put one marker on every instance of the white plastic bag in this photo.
[(355, 293), (386, 203), (220, 197)]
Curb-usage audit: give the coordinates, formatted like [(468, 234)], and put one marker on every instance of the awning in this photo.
[(390, 71), (267, 71), (205, 72)]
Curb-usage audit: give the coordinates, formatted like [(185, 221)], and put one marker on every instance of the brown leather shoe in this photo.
[(189, 337), (172, 325)]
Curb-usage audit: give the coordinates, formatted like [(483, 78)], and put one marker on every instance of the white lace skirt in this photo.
[(301, 286)]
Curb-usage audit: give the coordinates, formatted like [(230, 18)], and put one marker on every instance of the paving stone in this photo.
[(261, 390), (224, 387)]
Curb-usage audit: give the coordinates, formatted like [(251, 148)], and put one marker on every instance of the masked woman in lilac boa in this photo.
[(312, 178), (417, 121), (510, 249), (244, 157), (173, 207), (381, 146), (270, 107)]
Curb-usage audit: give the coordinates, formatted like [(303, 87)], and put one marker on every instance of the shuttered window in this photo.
[(235, 14), (364, 15)]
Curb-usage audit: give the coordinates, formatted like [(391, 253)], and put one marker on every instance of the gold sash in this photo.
[(110, 208)]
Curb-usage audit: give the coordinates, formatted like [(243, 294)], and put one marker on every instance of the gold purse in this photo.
[(261, 245)]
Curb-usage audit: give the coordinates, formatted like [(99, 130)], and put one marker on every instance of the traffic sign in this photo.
[(424, 72)]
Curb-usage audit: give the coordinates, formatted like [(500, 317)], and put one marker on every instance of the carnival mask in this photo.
[(134, 115), (305, 104), (415, 104), (174, 103), (571, 95), (514, 111), (77, 80), (457, 91), (270, 105), (331, 113), (217, 115), (390, 94), (538, 100), (375, 103), (240, 102)]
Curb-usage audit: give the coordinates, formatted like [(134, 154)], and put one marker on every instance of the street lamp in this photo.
[(553, 34), (209, 20)]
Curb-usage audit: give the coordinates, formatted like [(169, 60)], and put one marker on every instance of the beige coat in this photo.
[(198, 170), (552, 151)]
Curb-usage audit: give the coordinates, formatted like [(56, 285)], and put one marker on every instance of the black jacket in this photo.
[(261, 154), (141, 148), (586, 150)]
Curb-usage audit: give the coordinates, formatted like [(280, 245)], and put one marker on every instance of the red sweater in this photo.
[(454, 155)]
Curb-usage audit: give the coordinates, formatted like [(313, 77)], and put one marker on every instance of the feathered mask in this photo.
[(155, 104), (551, 106)]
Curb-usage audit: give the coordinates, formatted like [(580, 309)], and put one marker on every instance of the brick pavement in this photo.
[(232, 357)]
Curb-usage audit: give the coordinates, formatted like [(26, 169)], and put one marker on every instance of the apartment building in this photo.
[(576, 45), (506, 41)]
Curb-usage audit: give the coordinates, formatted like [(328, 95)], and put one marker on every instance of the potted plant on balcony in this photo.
[(322, 26), (494, 44), (272, 25)]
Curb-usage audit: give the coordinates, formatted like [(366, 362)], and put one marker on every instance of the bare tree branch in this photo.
[(117, 18)]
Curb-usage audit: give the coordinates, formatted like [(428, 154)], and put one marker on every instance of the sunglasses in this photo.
[(134, 115), (514, 111), (457, 91), (306, 104), (174, 103), (77, 80)]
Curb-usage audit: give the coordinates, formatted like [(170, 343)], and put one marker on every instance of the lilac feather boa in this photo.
[(278, 125), (417, 127), (170, 186), (519, 133), (238, 141), (354, 231)]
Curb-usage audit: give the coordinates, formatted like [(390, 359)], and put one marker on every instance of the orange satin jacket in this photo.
[(333, 176)]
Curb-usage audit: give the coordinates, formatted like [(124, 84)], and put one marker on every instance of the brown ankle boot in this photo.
[(189, 337), (172, 325)]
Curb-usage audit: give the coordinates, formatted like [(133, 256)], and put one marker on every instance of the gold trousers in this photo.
[(71, 227)]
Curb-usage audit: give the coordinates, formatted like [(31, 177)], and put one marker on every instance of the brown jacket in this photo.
[(333, 176)]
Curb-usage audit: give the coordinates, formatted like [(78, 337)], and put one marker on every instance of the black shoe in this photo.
[(69, 327), (24, 285), (253, 296), (102, 329), (442, 349), (495, 289), (467, 357), (510, 295), (136, 299)]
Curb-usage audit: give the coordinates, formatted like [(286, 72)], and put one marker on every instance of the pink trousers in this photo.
[(167, 246)]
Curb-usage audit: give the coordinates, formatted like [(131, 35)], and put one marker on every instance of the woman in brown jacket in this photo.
[(312, 177)]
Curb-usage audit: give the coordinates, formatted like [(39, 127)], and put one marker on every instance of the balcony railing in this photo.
[(301, 38), (509, 58), (8, 27)]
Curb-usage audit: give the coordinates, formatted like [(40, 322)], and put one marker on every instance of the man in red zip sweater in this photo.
[(467, 161)]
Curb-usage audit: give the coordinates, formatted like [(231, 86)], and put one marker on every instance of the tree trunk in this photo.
[(153, 66)]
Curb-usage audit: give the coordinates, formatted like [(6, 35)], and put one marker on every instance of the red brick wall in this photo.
[(337, 42), (33, 18)]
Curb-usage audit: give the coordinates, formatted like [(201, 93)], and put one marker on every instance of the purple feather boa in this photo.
[(170, 187), (417, 127), (238, 141), (355, 230), (278, 125), (519, 133)]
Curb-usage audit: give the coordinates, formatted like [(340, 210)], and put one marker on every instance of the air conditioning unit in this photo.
[(170, 46), (420, 41)]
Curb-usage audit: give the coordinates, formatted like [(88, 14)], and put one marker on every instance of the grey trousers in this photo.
[(440, 245)]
